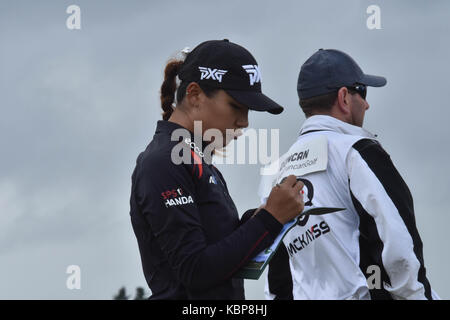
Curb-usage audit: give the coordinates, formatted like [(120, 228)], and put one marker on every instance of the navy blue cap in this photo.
[(328, 70), (226, 65)]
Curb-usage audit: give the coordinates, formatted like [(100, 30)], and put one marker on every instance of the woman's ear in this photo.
[(193, 94)]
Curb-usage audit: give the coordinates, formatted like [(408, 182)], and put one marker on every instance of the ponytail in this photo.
[(169, 87)]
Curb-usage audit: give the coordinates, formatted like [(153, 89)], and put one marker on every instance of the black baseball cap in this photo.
[(328, 70), (225, 65)]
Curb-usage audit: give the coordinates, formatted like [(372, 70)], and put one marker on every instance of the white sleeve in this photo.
[(387, 224)]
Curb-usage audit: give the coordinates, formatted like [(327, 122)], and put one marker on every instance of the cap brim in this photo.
[(373, 81), (256, 101)]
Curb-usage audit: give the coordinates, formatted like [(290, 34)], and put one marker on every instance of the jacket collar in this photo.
[(168, 127), (329, 123)]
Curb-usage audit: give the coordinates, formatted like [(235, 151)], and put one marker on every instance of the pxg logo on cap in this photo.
[(214, 74), (253, 71), (225, 65)]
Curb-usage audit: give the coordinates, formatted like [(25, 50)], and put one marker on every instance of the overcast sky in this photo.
[(77, 107)]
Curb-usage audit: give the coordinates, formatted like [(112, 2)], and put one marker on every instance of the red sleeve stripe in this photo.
[(198, 162)]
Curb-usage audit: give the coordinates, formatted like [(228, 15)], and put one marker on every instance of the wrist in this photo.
[(272, 224)]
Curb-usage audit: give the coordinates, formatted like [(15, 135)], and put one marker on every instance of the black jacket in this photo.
[(188, 230)]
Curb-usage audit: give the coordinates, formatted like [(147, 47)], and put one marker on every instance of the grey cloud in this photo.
[(78, 106)]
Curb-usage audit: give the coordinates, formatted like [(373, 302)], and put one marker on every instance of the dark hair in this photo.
[(169, 87), (318, 104)]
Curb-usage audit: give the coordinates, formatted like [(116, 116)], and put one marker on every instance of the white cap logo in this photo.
[(253, 72), (214, 74)]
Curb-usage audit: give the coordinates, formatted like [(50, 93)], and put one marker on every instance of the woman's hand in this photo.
[(285, 201)]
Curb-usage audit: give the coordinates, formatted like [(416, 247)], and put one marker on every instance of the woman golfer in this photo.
[(188, 230)]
